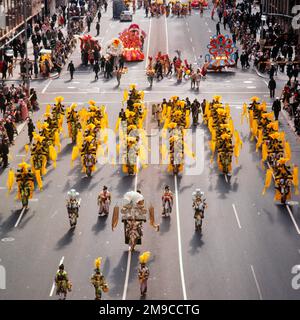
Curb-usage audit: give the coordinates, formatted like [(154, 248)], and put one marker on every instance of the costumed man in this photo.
[(73, 205), (73, 122), (25, 180), (98, 280), (63, 285), (104, 200), (167, 197), (144, 272)]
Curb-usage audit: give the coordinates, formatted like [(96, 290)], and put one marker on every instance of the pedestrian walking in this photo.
[(10, 69), (105, 5), (31, 128), (118, 75), (272, 87), (71, 68), (98, 28), (218, 28), (143, 272), (276, 107), (96, 70), (99, 15)]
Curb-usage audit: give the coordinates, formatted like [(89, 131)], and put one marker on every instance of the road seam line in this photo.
[(256, 283), (179, 241)]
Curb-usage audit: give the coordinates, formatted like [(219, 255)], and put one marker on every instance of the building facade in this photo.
[(283, 11), (12, 14)]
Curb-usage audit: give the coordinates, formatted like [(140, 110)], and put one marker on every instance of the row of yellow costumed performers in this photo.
[(89, 126), (276, 151), (225, 140), (42, 151), (132, 147), (176, 119)]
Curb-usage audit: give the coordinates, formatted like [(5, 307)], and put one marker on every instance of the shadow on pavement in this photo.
[(65, 240), (165, 225), (66, 150), (100, 224), (8, 224), (196, 243), (118, 277)]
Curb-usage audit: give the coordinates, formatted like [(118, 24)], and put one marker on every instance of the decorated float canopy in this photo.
[(114, 47), (221, 53), (87, 42)]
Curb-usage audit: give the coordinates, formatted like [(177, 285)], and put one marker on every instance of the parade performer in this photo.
[(62, 282), (144, 272), (98, 280), (25, 180), (73, 122), (73, 205), (104, 200)]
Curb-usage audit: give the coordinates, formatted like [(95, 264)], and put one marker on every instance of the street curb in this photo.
[(267, 76), (54, 76), (290, 123)]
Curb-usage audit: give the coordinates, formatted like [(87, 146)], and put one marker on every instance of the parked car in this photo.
[(126, 16)]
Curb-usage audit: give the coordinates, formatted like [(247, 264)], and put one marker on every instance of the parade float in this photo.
[(196, 4), (88, 45), (132, 39), (220, 54), (114, 47)]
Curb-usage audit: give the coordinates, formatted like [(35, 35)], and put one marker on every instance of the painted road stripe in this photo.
[(236, 216), (46, 86), (129, 251), (179, 240), (20, 217), (167, 38), (53, 285), (256, 283), (292, 217), (148, 45)]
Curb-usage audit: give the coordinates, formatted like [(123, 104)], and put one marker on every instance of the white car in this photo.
[(126, 16)]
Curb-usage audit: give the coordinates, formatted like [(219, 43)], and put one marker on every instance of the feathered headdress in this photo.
[(98, 263), (24, 166), (144, 258), (59, 99)]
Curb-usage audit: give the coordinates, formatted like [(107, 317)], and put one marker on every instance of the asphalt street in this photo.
[(249, 243)]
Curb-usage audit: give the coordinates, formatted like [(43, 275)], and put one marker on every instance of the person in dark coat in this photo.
[(96, 70), (276, 107), (4, 151), (97, 28), (31, 129), (10, 131), (272, 87), (71, 68)]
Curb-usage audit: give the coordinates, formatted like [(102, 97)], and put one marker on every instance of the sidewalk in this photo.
[(280, 76)]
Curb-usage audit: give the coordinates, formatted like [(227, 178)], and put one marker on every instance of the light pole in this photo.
[(26, 48)]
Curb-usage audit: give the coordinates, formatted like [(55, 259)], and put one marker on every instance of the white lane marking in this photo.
[(3, 188), (167, 38), (129, 251), (251, 87), (127, 273), (226, 178), (53, 285), (54, 214), (293, 219), (266, 82), (46, 86), (209, 30), (20, 217), (179, 240), (256, 283), (148, 45), (33, 200), (191, 39), (193, 49), (248, 81), (21, 127), (236, 216), (20, 155)]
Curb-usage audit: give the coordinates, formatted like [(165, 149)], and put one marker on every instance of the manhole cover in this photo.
[(10, 239)]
